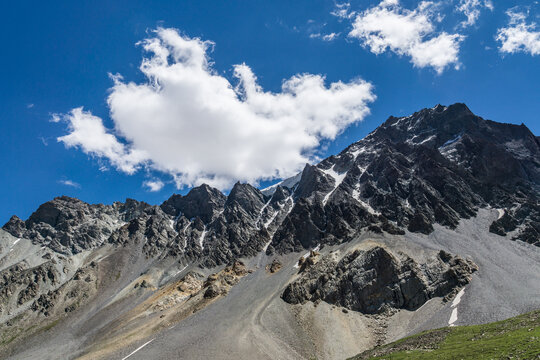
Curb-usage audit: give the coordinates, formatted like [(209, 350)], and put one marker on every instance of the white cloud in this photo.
[(325, 37), (437, 52), (154, 185), (188, 121), (87, 132), (471, 9), (29, 106), (69, 183), (518, 36), (343, 11), (388, 26)]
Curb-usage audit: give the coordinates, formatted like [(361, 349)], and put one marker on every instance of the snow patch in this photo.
[(356, 196), (453, 317), (455, 303), (185, 228), (457, 299), (451, 154), (261, 212), (359, 151), (428, 139), (292, 204), (338, 179), (501, 213), (203, 234), (266, 224), (396, 124), (370, 210), (265, 247), (407, 204), (288, 183)]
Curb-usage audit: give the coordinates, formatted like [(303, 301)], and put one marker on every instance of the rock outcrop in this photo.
[(220, 283), (374, 280), (274, 266)]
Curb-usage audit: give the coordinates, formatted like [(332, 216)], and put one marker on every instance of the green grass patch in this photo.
[(515, 338)]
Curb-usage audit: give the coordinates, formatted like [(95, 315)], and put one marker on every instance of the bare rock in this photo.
[(370, 281), (274, 266)]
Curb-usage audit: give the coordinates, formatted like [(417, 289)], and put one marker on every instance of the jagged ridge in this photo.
[(436, 166)]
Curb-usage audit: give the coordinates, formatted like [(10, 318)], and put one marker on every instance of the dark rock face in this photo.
[(222, 229), (436, 166), (24, 284), (152, 229), (375, 280), (203, 202), (69, 226), (500, 163), (527, 215), (70, 295)]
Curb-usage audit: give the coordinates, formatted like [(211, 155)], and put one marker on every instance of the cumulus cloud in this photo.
[(194, 124), (519, 36), (88, 132), (389, 26), (69, 183), (154, 185), (472, 9)]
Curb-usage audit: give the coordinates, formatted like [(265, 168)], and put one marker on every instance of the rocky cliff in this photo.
[(375, 280)]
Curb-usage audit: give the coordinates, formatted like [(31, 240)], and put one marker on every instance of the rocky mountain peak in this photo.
[(313, 181), (430, 126), (131, 209), (438, 165), (202, 201), (248, 197), (68, 225)]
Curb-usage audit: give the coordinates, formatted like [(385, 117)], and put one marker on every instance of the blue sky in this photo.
[(57, 57)]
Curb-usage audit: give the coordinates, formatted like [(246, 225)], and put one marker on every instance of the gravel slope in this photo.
[(253, 322)]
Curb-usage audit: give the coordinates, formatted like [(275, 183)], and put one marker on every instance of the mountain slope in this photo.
[(402, 221), (515, 338)]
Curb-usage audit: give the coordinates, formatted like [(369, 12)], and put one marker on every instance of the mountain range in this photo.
[(431, 220)]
